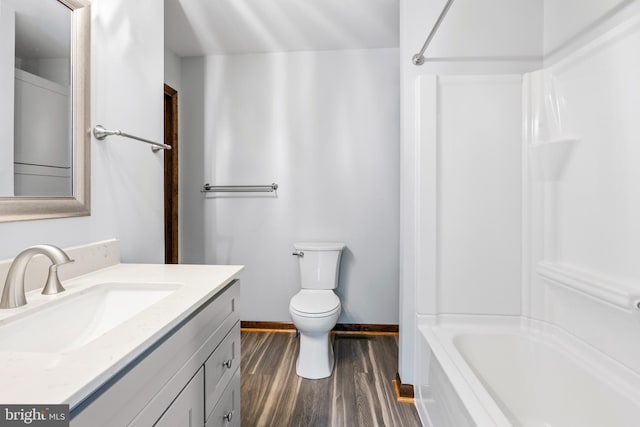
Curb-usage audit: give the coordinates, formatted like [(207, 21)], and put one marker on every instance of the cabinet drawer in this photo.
[(227, 411), (220, 367), (188, 408)]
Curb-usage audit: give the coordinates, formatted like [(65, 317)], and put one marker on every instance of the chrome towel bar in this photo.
[(101, 133), (208, 188)]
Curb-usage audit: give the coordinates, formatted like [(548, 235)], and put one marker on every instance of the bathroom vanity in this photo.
[(130, 344)]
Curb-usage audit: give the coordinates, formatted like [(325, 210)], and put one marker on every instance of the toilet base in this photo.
[(315, 357)]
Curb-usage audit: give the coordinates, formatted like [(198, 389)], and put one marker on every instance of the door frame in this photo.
[(171, 168)]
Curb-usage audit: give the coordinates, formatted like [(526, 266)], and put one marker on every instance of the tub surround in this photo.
[(570, 281), (580, 229), (72, 376), (477, 38)]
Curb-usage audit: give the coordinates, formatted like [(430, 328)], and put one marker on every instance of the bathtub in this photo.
[(511, 372)]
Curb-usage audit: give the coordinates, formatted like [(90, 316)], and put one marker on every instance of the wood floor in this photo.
[(358, 393)]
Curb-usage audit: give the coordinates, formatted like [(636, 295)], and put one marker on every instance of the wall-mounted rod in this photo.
[(418, 58), (101, 133), (208, 188)]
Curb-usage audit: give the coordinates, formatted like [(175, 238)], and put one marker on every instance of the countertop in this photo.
[(70, 377)]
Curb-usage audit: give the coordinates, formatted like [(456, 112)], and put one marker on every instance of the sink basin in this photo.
[(75, 320)]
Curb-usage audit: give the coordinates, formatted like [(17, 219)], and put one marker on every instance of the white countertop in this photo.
[(69, 377)]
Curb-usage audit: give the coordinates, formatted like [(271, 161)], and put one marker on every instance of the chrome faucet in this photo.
[(13, 293)]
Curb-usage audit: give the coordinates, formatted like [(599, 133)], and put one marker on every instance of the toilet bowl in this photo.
[(315, 313), (316, 308)]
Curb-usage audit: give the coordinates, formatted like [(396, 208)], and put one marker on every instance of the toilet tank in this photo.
[(319, 264)]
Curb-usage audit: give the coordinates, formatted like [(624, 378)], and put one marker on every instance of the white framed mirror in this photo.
[(45, 109)]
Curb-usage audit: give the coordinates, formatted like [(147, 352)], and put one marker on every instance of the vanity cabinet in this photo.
[(214, 392), (188, 377)]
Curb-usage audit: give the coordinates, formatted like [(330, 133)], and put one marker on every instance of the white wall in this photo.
[(54, 69), (476, 38), (127, 191), (192, 128), (7, 58), (323, 125), (172, 66)]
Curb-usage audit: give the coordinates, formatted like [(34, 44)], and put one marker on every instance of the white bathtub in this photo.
[(509, 372)]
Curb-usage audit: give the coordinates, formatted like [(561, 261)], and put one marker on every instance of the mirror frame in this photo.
[(31, 208)]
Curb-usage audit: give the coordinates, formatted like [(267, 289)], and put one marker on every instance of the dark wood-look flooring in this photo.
[(358, 393)]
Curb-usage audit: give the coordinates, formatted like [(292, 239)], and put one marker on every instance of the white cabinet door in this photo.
[(188, 408)]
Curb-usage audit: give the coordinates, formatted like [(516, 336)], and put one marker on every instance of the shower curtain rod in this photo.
[(418, 58)]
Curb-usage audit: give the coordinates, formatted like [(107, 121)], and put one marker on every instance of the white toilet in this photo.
[(316, 308)]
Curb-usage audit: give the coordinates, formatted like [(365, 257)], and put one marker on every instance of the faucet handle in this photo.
[(53, 285)]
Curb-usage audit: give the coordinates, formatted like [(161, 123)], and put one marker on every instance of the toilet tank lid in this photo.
[(319, 246)]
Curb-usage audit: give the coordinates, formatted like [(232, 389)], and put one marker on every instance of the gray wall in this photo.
[(127, 192), (325, 127)]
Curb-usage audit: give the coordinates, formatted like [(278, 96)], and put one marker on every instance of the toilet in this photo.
[(316, 308)]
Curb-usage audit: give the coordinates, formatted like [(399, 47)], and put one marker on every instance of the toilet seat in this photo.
[(315, 303)]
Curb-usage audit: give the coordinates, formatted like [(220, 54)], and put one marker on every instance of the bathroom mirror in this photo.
[(44, 110)]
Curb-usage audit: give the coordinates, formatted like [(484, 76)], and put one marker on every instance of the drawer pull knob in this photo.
[(228, 417), (228, 363)]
